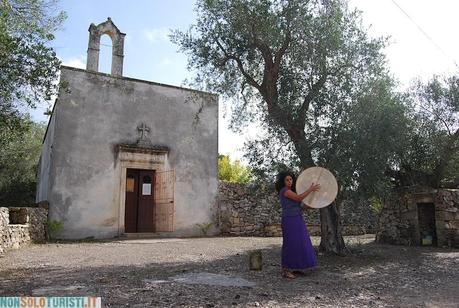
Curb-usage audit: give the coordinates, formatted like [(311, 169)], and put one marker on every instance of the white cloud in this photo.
[(156, 34), (78, 62)]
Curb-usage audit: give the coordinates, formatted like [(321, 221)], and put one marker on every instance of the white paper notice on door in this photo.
[(146, 189)]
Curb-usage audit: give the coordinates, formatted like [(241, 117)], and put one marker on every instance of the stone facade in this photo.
[(21, 225), (104, 125), (248, 211), (403, 218)]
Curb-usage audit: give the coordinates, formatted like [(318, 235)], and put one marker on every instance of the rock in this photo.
[(255, 260)]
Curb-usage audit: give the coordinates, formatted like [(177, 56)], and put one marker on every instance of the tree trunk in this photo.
[(330, 229), (330, 223), (331, 238), (302, 148)]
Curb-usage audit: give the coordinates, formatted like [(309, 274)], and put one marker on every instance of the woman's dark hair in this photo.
[(280, 180)]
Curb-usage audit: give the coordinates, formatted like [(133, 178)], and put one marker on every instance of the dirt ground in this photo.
[(140, 273)]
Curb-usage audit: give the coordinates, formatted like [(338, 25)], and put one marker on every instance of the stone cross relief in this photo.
[(143, 140)]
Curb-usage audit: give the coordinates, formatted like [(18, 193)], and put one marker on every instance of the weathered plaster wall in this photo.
[(99, 111), (46, 162)]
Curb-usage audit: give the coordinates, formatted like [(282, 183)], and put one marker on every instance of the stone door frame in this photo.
[(130, 157), (417, 198)]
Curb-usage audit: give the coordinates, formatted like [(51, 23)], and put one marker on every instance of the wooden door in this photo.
[(164, 201), (146, 214), (132, 191), (139, 204)]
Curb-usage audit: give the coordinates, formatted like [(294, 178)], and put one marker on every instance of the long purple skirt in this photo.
[(297, 250)]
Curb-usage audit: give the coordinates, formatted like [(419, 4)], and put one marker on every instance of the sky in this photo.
[(423, 42)]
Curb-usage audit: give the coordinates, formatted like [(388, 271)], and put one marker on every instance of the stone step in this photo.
[(141, 235)]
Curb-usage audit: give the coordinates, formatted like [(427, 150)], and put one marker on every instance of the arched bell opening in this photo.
[(94, 47)]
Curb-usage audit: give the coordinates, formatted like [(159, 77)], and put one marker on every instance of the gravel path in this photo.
[(143, 273)]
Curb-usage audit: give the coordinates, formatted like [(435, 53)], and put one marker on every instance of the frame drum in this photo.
[(328, 187)]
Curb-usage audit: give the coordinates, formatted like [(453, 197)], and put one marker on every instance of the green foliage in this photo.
[(205, 227), (376, 205), (232, 172), (28, 76), (19, 156), (29, 68), (317, 84), (431, 153), (364, 141), (308, 73), (53, 227)]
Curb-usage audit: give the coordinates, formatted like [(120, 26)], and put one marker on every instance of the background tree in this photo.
[(233, 172), (28, 66), (18, 163), (430, 155), (368, 134), (292, 66), (28, 76)]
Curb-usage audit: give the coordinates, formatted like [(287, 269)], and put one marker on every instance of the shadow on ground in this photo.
[(373, 275)]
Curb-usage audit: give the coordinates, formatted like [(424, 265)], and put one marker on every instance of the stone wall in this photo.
[(399, 220), (447, 217), (21, 225), (248, 211)]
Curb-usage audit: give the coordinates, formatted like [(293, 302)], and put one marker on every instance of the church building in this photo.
[(125, 156)]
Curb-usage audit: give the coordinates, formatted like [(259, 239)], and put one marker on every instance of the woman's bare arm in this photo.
[(299, 197)]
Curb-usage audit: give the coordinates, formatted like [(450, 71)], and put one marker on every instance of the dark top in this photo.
[(289, 206)]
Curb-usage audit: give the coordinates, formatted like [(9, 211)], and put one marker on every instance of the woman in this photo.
[(297, 250)]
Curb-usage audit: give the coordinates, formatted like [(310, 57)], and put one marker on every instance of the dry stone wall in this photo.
[(399, 221), (447, 217), (244, 210), (21, 225)]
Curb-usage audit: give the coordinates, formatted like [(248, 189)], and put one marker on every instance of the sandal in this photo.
[(288, 274)]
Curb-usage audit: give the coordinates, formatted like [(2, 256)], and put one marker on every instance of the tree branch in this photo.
[(436, 116), (315, 89), (250, 79), (263, 48), (280, 53), (337, 71)]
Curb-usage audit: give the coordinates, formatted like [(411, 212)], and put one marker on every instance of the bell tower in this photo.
[(95, 32)]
